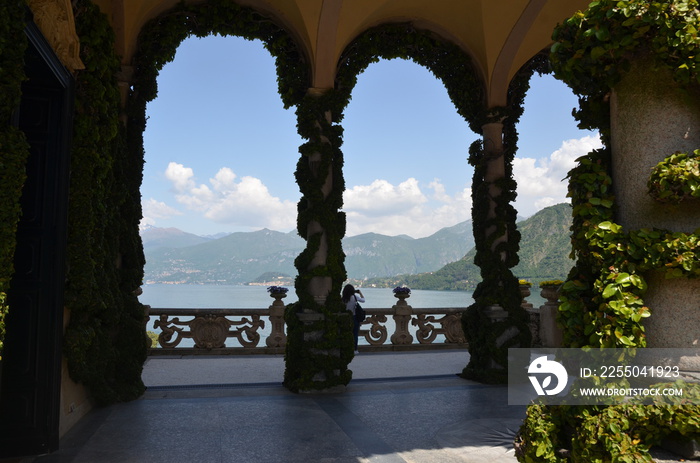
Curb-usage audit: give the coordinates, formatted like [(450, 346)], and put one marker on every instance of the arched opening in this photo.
[(217, 110), (220, 151), (549, 143), (404, 140), (218, 195), (408, 195), (105, 346), (323, 184)]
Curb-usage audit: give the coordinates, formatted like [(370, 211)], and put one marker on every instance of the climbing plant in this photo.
[(602, 300), (104, 342), (157, 44), (453, 67), (676, 178), (592, 50), (14, 149), (320, 344), (499, 287)]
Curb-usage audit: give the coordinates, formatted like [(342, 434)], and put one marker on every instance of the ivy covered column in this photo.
[(634, 66), (496, 321), (651, 118), (494, 170), (319, 329)]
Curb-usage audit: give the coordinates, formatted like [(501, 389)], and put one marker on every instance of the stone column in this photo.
[(651, 118), (320, 287), (319, 330), (491, 325), (495, 170)]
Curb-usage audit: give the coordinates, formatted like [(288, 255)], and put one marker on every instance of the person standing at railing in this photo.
[(352, 297)]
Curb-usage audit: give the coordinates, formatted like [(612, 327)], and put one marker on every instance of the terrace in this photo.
[(400, 407)]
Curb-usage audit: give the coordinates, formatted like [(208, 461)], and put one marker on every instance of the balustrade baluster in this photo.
[(277, 337), (402, 316)]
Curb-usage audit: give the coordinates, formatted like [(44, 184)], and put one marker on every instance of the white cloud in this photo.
[(180, 176), (382, 198), (244, 202), (409, 207), (541, 182), (404, 208), (153, 210)]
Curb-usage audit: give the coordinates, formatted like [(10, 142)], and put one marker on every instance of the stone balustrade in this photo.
[(239, 331)]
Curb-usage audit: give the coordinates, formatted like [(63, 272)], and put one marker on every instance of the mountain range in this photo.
[(544, 255), (174, 256), (443, 260)]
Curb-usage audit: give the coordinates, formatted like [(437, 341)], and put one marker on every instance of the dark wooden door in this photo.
[(31, 364)]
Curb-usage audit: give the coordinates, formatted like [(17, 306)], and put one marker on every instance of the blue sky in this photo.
[(221, 150)]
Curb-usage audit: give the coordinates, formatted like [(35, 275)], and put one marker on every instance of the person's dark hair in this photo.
[(348, 291)]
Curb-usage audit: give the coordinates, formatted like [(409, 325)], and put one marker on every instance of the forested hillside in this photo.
[(544, 255)]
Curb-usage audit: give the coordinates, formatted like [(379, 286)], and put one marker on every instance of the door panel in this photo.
[(30, 390)]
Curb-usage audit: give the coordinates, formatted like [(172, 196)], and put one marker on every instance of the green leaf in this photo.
[(623, 279), (610, 291), (602, 34), (541, 449), (638, 282), (597, 52), (625, 340)]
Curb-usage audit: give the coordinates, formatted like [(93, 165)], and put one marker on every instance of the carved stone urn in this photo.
[(278, 298), (402, 295)]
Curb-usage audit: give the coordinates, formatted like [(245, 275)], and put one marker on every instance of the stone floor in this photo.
[(401, 407)]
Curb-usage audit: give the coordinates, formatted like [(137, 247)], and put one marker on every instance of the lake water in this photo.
[(256, 297)]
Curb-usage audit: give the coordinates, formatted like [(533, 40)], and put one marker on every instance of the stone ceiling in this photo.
[(501, 35)]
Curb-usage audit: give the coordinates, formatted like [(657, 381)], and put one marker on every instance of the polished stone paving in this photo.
[(398, 416), (383, 421), (418, 411)]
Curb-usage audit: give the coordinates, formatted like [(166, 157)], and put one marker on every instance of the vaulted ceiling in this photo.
[(500, 35)]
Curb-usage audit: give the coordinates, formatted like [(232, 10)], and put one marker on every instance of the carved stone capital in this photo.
[(55, 20)]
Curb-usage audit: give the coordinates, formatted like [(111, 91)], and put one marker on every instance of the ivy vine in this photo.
[(13, 144), (105, 344), (622, 433), (676, 178), (453, 67), (488, 352), (319, 348), (601, 303)]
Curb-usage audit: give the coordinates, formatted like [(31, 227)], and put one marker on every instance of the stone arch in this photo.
[(448, 62), (493, 186), (318, 316), (160, 37), (123, 147)]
